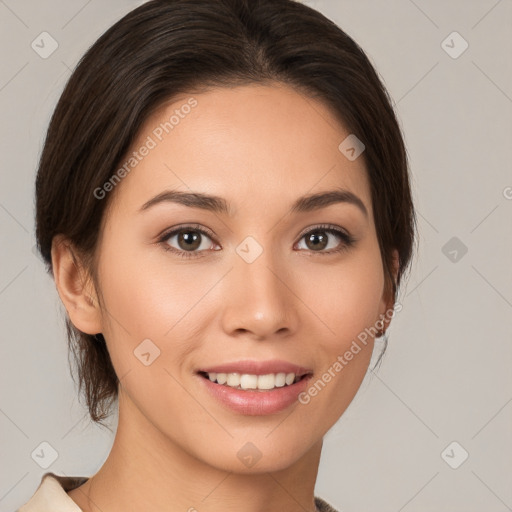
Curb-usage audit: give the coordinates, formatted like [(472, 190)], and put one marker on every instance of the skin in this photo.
[(260, 147)]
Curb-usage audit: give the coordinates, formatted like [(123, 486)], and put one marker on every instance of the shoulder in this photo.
[(323, 506), (51, 495)]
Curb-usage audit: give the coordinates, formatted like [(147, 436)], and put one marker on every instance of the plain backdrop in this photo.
[(431, 430)]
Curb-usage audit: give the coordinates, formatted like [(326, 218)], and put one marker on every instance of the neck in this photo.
[(146, 470)]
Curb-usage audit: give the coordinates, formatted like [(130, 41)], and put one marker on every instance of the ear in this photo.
[(388, 300), (75, 287)]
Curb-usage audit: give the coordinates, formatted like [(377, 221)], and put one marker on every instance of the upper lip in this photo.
[(257, 368)]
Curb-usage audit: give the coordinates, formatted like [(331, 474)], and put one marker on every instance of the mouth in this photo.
[(255, 388)]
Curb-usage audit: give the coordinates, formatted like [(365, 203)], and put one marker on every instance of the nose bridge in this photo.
[(260, 300)]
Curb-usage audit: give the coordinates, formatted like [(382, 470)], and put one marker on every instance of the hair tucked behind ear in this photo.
[(168, 47)]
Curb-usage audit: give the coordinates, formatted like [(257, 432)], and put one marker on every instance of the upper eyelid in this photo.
[(326, 227), (172, 231)]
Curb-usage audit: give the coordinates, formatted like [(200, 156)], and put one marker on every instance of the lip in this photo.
[(258, 368), (256, 403)]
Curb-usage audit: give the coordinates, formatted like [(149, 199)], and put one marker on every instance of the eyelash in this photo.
[(347, 240)]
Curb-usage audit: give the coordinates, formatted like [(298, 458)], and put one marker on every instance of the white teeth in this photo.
[(281, 380), (290, 377), (233, 380), (266, 381), (248, 381)]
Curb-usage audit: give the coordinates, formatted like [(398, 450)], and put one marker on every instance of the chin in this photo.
[(257, 454)]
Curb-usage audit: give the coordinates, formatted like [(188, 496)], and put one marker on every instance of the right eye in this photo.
[(190, 240)]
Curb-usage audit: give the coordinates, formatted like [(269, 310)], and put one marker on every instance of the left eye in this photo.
[(323, 239)]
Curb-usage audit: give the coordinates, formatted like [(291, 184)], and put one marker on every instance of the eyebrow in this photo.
[(219, 205)]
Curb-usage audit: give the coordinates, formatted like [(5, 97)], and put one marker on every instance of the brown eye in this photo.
[(327, 237), (316, 240), (187, 241)]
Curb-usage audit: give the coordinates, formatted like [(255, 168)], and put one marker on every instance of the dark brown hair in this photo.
[(169, 47)]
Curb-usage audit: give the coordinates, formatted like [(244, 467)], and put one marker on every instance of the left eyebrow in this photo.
[(324, 199), (218, 204)]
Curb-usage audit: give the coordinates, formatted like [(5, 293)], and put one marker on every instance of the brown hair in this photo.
[(169, 47)]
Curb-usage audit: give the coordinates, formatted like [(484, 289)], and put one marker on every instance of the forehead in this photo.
[(252, 144)]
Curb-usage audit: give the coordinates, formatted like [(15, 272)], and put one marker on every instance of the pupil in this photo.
[(190, 238), (318, 240)]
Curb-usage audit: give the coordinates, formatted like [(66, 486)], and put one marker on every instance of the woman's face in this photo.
[(259, 281)]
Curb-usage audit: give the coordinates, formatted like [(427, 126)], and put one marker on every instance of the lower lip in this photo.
[(256, 403)]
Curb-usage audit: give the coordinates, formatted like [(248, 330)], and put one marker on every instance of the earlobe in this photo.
[(74, 289)]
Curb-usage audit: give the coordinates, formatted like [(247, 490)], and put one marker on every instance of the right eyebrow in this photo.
[(211, 203)]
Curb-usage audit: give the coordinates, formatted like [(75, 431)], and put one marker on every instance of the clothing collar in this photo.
[(51, 495)]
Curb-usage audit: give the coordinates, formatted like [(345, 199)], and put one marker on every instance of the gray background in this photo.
[(447, 374)]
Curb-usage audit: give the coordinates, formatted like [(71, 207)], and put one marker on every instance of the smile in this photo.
[(255, 388)]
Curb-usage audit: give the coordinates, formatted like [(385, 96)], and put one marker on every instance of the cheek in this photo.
[(142, 320), (131, 302), (139, 289), (146, 297), (346, 298), (346, 304)]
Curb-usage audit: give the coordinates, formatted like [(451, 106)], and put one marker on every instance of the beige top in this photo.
[(51, 495)]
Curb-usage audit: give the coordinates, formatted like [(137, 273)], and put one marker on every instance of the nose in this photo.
[(259, 299)]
